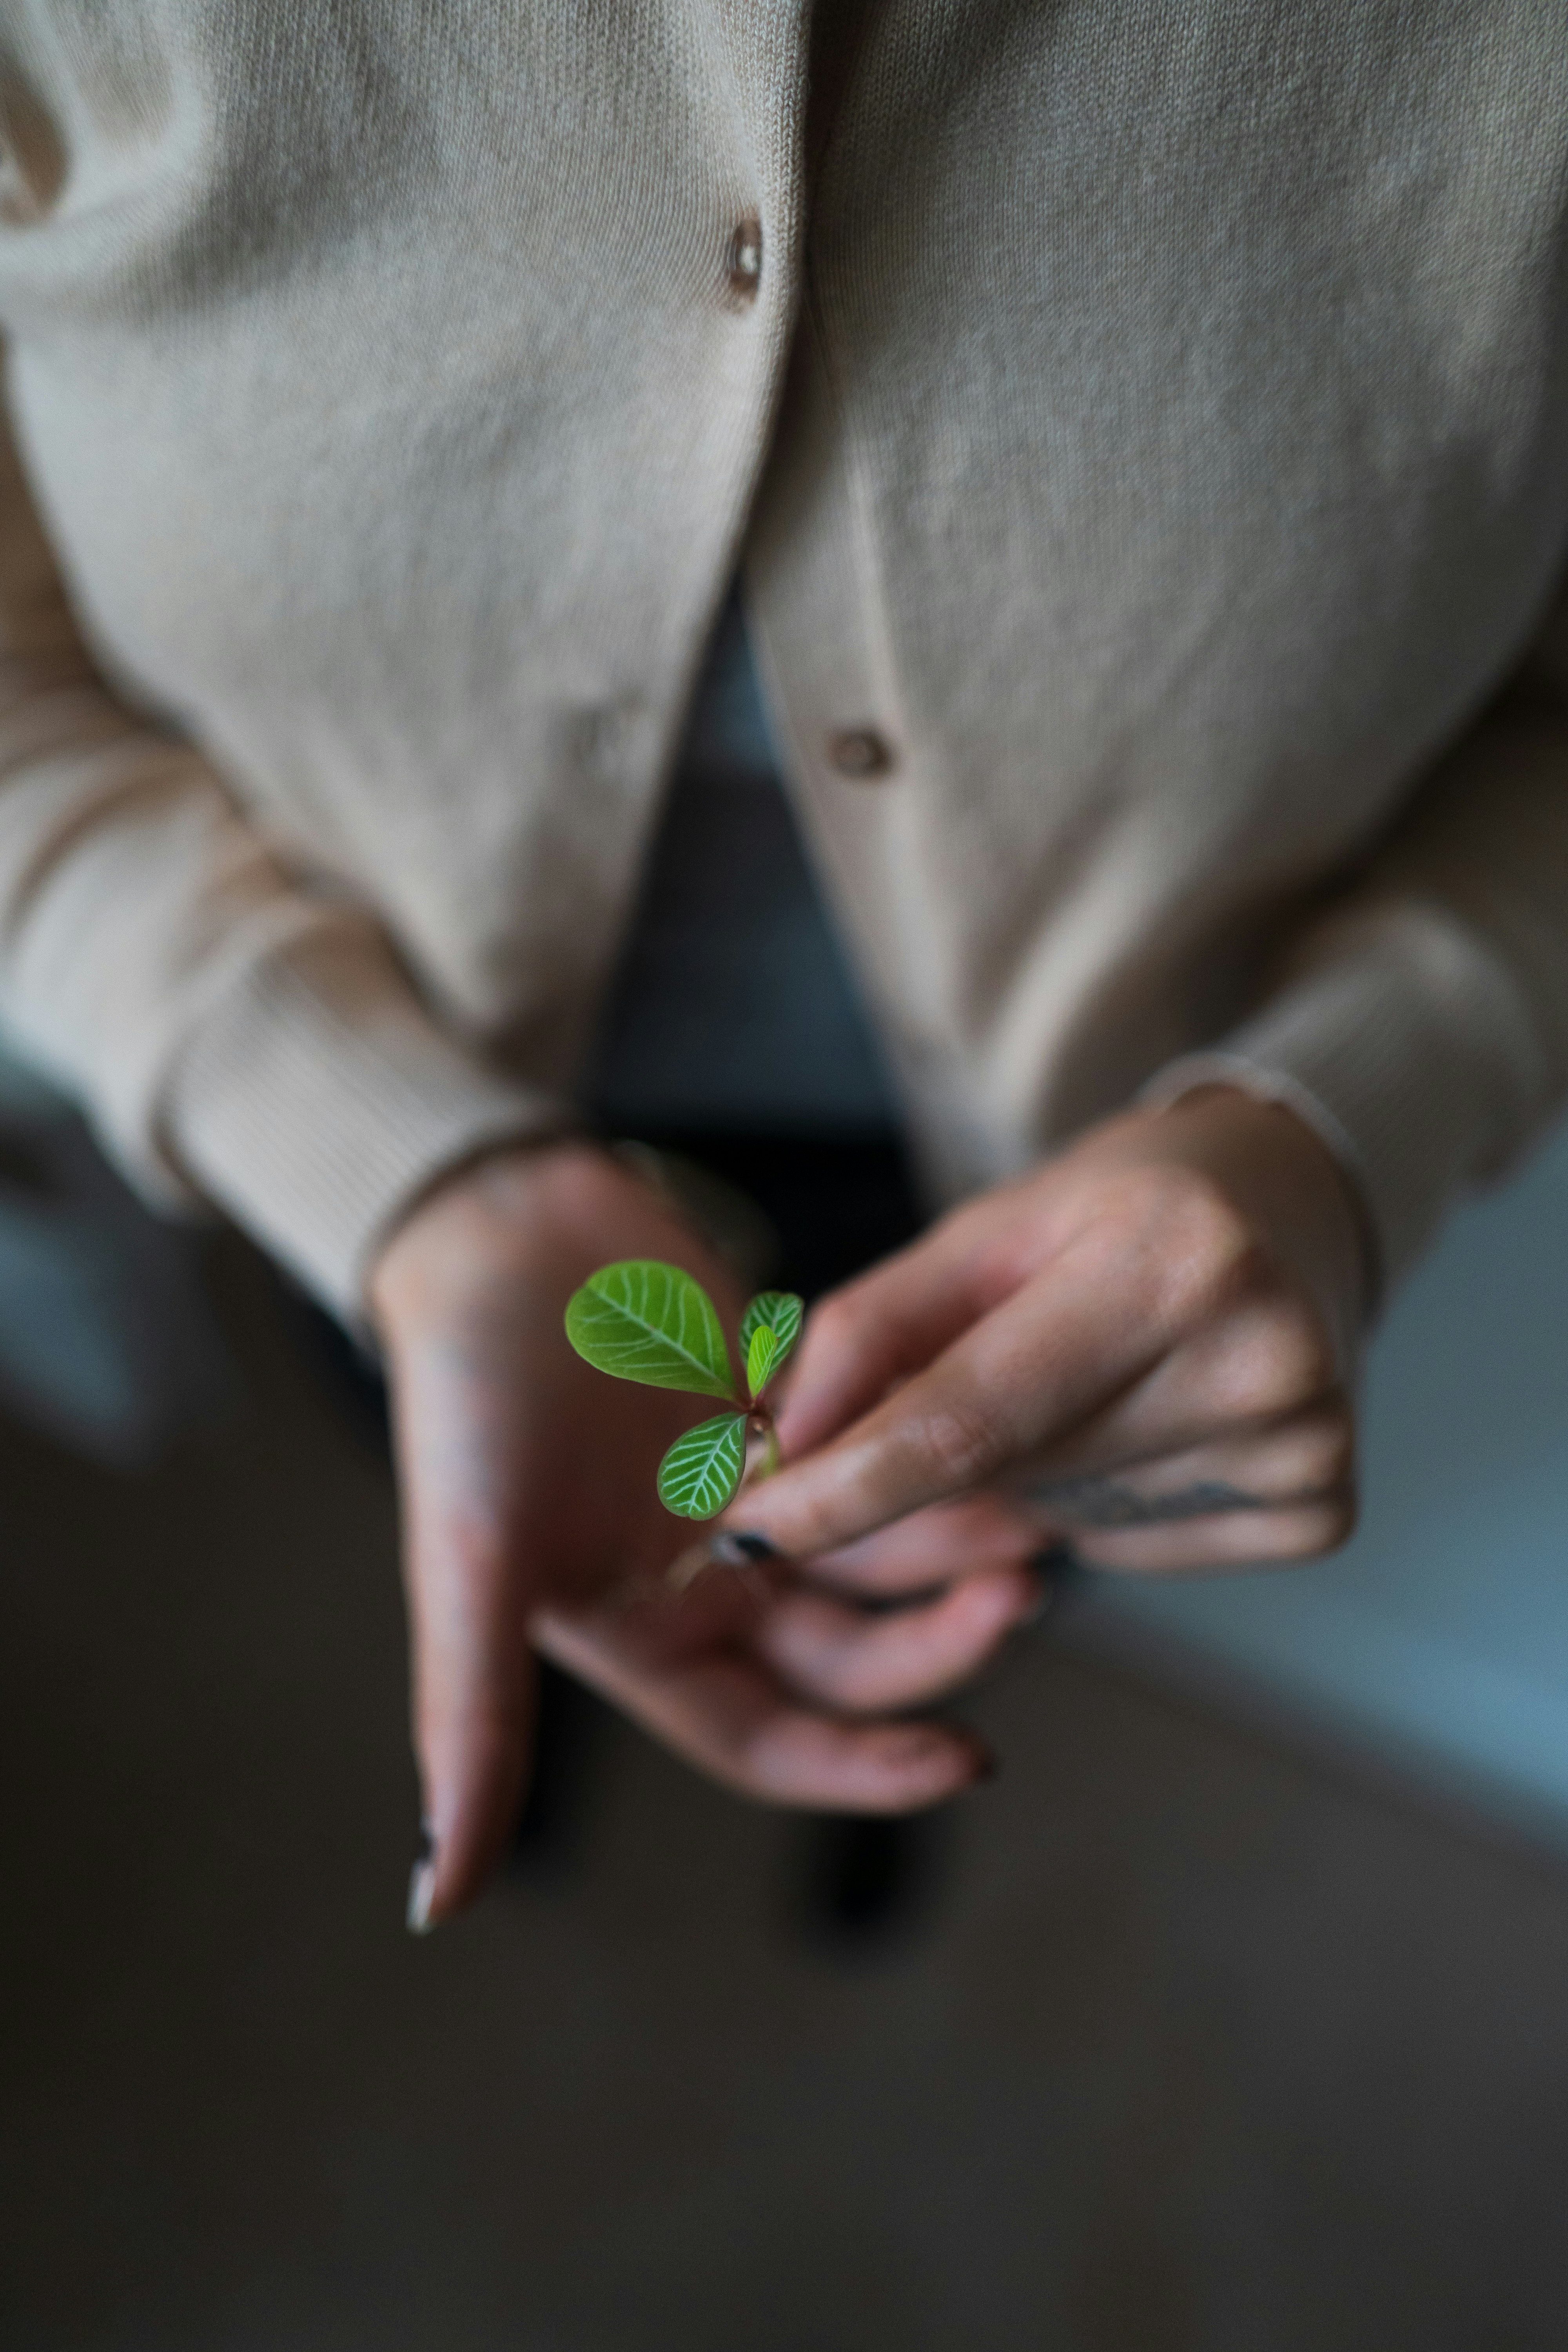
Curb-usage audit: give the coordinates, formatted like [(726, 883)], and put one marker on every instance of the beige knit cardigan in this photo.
[(1144, 428)]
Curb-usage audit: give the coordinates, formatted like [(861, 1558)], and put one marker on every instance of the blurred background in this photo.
[(1232, 2016)]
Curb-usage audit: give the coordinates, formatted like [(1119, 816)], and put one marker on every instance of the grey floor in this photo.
[(1204, 2042)]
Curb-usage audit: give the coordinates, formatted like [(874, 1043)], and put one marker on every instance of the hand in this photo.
[(531, 1521), (1150, 1339)]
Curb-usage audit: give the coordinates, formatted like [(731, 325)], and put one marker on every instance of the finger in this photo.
[(1263, 1373), (862, 1665), (1039, 1356), (473, 1672), (883, 1326), (726, 1713), (1263, 1361), (473, 1700), (1230, 1539), (1300, 1459), (1056, 1351), (934, 1546)]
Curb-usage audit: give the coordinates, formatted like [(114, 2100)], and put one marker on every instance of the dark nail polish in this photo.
[(421, 1883), (734, 1548)]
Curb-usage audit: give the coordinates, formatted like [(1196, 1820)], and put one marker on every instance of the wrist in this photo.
[(490, 1200), (1278, 1164)]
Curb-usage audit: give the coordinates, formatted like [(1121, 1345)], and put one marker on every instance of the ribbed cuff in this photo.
[(1409, 1050), (317, 1099)]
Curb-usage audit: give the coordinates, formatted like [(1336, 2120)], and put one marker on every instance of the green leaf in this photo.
[(641, 1321), (702, 1469), (780, 1312), (761, 1358)]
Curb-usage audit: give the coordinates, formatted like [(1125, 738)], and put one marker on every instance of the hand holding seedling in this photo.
[(1149, 1340), (531, 1522)]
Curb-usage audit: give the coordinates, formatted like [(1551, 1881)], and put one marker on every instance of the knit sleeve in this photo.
[(236, 1033), (1419, 1018)]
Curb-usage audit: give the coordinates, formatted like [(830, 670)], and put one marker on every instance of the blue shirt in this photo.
[(733, 1006)]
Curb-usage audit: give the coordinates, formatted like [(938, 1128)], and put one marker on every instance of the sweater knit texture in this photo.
[(1144, 433)]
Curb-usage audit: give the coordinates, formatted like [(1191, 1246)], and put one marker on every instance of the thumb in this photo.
[(474, 1696), (472, 1667)]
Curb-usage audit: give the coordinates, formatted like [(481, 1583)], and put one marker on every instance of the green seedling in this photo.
[(641, 1321)]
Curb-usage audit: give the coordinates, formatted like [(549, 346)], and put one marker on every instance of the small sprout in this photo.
[(760, 1356), (778, 1311), (642, 1320)]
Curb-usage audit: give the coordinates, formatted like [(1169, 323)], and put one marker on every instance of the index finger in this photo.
[(891, 1321), (1054, 1351), (725, 1712)]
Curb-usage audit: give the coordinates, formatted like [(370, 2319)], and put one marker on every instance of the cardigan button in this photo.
[(861, 753), (743, 262)]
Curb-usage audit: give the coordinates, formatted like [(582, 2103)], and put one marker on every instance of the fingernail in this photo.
[(735, 1548), (421, 1884)]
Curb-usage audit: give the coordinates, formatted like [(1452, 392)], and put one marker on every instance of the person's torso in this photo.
[(1145, 426)]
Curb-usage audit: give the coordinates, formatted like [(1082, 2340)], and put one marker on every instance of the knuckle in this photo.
[(1286, 1361), (1325, 1457), (1208, 1259), (961, 1444), (756, 1765), (1341, 1513), (838, 1325), (1323, 1528), (826, 1326), (857, 1687)]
